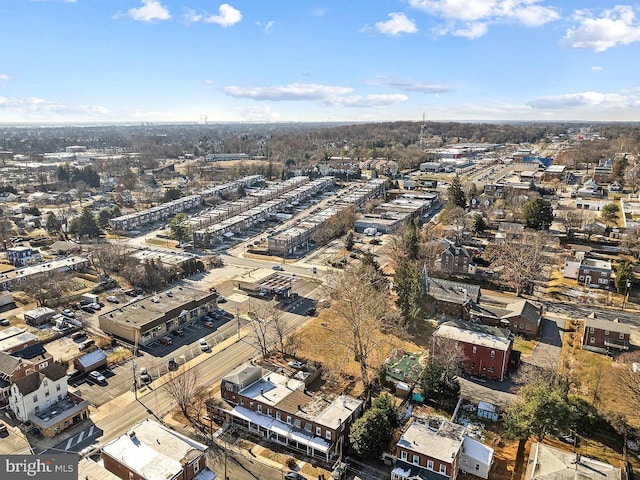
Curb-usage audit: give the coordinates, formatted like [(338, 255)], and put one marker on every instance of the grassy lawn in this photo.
[(524, 346), (161, 243), (327, 346)]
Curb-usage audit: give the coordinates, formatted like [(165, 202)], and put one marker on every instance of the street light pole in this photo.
[(626, 294)]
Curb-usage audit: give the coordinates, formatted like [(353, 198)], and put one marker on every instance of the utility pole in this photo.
[(238, 321), (133, 369)]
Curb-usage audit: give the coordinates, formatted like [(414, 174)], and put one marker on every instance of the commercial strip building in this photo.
[(288, 241), (146, 320), (166, 210), (281, 410), (268, 203)]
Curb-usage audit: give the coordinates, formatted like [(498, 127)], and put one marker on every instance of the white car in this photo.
[(204, 346), (68, 313), (112, 299)]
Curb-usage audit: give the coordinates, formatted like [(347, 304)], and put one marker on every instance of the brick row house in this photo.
[(282, 410), (436, 449), (487, 350), (455, 260), (152, 451), (604, 336)]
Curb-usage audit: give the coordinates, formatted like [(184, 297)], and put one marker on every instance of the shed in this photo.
[(91, 361), (402, 389), (488, 411), (38, 316)]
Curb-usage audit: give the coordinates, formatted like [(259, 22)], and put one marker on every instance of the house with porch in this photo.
[(436, 449), (281, 409), (605, 336), (42, 398)]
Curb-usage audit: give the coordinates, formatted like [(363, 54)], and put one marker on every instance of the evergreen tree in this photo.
[(386, 404), (411, 240), (610, 214), (478, 224), (538, 214), (624, 275), (180, 228), (85, 225), (370, 434), (53, 224), (455, 194), (349, 241), (438, 385), (409, 287)]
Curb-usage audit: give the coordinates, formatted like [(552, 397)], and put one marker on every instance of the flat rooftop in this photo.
[(438, 439), (143, 311)]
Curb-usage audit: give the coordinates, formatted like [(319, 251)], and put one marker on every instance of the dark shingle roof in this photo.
[(31, 382), (8, 364), (452, 292), (30, 352)]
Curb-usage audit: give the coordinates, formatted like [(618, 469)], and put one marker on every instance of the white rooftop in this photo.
[(339, 410), (442, 443), (154, 451), (482, 337), (478, 451), (272, 388)]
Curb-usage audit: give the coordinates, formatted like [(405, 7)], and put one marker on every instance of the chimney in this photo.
[(262, 392)]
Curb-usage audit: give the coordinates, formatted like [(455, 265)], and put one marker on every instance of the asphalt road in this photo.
[(572, 310), (158, 402)]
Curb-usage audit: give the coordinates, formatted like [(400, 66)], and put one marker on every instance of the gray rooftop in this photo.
[(549, 463), (438, 439), (601, 324)]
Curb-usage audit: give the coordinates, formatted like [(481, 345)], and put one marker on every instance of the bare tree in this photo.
[(574, 220), (48, 286), (520, 259), (182, 387), (448, 354), (629, 383), (109, 257), (363, 309), (287, 342), (261, 330)]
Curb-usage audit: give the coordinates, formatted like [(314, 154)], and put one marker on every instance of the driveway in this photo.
[(546, 354)]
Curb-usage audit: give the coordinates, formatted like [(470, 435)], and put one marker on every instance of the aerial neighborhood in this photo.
[(403, 301)]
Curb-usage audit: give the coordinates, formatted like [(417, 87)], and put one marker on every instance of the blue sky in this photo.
[(307, 60)]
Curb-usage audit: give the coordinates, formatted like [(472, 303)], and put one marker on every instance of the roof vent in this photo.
[(131, 433)]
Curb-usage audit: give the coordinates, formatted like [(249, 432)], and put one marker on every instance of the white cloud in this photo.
[(319, 12), (227, 16), (598, 68), (613, 27), (266, 26), (34, 108), (4, 76), (471, 31), (398, 23), (208, 82), (586, 99), (368, 101), (293, 91), (470, 18), (191, 16), (149, 11), (408, 85)]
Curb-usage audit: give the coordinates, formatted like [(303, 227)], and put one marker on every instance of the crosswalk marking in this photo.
[(81, 436), (69, 443)]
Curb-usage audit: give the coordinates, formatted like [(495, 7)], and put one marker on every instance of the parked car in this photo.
[(296, 364), (278, 267), (178, 333), (95, 306), (213, 290), (3, 429), (204, 346), (68, 313), (86, 344), (4, 322), (98, 378), (78, 335), (165, 340), (90, 450), (310, 312), (221, 299), (144, 376), (112, 299), (209, 324), (294, 476), (88, 309), (172, 364)]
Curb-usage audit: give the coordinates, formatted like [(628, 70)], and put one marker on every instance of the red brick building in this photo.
[(429, 450), (604, 336), (280, 409), (595, 273), (455, 260), (486, 349), (152, 451), (521, 318)]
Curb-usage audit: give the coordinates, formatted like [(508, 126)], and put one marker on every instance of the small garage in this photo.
[(91, 361), (38, 316), (488, 411)]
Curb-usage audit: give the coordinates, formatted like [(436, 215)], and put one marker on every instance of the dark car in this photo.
[(172, 364), (3, 429), (278, 267), (221, 299), (310, 312), (294, 476), (165, 340), (87, 309), (4, 322), (178, 333)]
